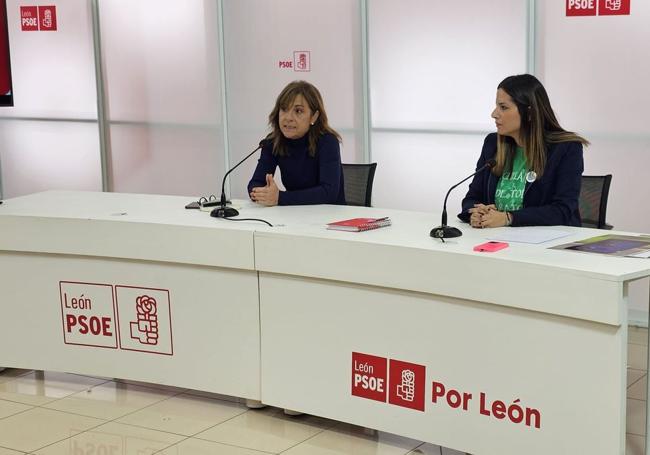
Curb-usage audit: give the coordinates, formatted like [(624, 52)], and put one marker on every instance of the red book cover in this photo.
[(359, 224)]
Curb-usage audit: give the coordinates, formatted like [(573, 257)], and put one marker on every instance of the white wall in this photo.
[(433, 69)]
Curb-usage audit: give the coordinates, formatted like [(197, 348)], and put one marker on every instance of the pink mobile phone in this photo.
[(490, 247)]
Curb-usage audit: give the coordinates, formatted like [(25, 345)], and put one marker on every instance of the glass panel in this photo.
[(596, 71), (414, 171), (53, 71), (39, 156), (163, 85), (166, 159), (436, 64), (261, 39)]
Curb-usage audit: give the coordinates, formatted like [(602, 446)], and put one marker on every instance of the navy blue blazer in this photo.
[(548, 201)]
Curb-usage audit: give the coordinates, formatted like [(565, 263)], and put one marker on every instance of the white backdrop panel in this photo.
[(166, 159), (40, 156), (163, 80), (53, 71), (161, 60), (261, 34), (596, 71), (414, 171), (435, 63)]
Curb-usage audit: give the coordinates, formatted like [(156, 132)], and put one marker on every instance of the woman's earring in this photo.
[(312, 123)]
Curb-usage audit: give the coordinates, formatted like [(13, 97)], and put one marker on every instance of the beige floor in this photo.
[(57, 413)]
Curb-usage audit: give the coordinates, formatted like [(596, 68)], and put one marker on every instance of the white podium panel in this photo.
[(472, 376), (181, 325)]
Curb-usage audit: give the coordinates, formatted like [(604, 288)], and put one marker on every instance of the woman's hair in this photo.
[(285, 101), (539, 126)]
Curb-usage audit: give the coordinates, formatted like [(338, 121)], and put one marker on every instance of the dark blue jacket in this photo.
[(317, 180), (550, 200)]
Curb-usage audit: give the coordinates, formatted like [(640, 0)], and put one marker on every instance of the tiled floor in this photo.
[(57, 414)]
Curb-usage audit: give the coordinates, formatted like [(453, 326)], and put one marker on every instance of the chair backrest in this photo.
[(357, 183), (593, 200)]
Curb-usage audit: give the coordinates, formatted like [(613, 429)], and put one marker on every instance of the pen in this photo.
[(381, 219)]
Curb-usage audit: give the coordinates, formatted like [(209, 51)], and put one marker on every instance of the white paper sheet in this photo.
[(528, 234)]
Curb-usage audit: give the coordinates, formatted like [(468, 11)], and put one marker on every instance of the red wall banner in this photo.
[(597, 7), (5, 67)]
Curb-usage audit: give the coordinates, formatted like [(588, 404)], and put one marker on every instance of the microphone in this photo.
[(443, 231), (223, 211)]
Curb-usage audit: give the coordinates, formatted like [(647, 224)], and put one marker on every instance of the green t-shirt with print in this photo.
[(510, 189)]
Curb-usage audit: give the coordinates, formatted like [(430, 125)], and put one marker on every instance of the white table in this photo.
[(111, 249), (527, 326), (323, 311)]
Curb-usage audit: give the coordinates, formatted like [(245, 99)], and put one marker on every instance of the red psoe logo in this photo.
[(29, 18), (47, 18), (581, 7), (613, 7), (369, 376), (407, 382), (302, 61)]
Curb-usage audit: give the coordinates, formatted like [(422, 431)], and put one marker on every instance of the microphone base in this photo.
[(445, 232), (224, 212)]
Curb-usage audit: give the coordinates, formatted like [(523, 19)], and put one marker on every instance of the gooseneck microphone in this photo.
[(223, 211), (443, 231)]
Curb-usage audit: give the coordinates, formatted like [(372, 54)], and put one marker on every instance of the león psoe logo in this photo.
[(145, 329), (613, 5)]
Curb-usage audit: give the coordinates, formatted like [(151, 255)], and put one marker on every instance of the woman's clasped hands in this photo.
[(487, 216)]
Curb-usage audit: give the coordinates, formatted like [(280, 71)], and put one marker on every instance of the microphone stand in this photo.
[(443, 231), (223, 211)]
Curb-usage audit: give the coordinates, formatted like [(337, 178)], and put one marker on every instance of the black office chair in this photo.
[(357, 183), (593, 200)]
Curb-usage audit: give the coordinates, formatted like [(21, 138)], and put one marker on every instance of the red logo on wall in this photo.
[(29, 18), (407, 381), (613, 7), (597, 7), (33, 18), (302, 61), (369, 376), (47, 18)]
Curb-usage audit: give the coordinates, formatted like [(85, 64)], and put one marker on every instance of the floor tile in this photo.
[(11, 373), (635, 417), (266, 429), (350, 439), (446, 451), (8, 408), (38, 388), (637, 335), (4, 451), (184, 414), (637, 356), (639, 389), (194, 446), (634, 375), (36, 428), (634, 445), (215, 396), (426, 449), (167, 388), (113, 439), (110, 400)]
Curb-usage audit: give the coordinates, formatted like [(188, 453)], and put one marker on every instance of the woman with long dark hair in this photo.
[(304, 147), (536, 178)]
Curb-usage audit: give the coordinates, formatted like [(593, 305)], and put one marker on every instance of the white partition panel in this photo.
[(46, 155), (596, 69), (416, 170), (53, 71), (436, 64), (434, 68), (161, 62), (261, 38), (183, 160)]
